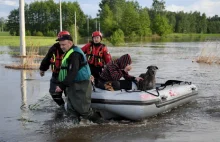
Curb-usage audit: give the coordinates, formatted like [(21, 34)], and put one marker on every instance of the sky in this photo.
[(90, 7)]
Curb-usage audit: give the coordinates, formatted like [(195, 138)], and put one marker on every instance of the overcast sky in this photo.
[(90, 7)]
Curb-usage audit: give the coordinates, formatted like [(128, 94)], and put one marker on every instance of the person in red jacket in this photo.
[(97, 55), (53, 58)]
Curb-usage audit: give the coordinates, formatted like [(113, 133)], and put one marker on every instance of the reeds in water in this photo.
[(28, 62), (210, 53)]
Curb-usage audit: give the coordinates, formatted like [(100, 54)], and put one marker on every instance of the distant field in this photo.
[(31, 41), (4, 34), (39, 41)]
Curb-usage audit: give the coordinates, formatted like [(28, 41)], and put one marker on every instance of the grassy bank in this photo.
[(36, 41), (4, 34), (31, 41)]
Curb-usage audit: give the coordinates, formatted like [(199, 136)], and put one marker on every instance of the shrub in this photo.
[(39, 33), (50, 34), (117, 37), (28, 33)]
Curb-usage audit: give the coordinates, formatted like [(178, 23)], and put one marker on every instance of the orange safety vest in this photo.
[(95, 55), (56, 61)]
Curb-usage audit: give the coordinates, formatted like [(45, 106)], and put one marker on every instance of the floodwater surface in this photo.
[(29, 114)]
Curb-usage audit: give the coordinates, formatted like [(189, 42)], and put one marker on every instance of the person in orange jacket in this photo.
[(53, 58), (97, 55)]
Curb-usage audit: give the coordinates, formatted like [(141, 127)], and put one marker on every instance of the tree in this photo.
[(182, 23), (107, 22), (130, 17), (171, 16), (161, 26), (203, 24), (13, 22), (144, 23), (117, 9), (158, 6), (2, 24), (117, 37)]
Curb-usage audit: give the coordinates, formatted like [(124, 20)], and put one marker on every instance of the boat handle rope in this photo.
[(158, 94), (163, 86), (172, 82)]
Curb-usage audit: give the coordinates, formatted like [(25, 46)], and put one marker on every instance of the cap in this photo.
[(65, 37)]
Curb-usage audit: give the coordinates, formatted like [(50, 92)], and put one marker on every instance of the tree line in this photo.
[(116, 17)]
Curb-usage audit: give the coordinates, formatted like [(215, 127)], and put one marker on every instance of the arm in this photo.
[(45, 63), (86, 47), (74, 64), (127, 76), (115, 73), (106, 55)]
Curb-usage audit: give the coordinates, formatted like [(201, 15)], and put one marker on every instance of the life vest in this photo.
[(95, 55), (83, 74), (55, 61)]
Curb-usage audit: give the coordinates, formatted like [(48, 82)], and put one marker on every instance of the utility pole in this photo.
[(60, 17), (75, 31), (22, 28), (88, 28), (96, 24)]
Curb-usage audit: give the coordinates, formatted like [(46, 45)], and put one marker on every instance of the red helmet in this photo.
[(61, 33), (97, 33)]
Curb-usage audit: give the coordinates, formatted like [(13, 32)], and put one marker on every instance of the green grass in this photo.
[(31, 41), (37, 41), (4, 34)]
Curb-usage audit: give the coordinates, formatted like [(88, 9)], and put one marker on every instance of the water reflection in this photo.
[(23, 89), (23, 86)]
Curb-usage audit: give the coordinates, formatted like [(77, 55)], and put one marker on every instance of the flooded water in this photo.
[(29, 114)]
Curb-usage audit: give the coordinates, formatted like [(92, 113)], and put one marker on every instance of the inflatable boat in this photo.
[(137, 105)]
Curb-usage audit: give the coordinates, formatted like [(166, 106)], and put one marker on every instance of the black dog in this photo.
[(149, 79)]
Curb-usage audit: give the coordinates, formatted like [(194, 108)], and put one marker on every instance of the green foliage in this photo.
[(106, 17), (2, 24), (117, 38), (13, 22), (144, 23), (171, 16), (129, 16), (203, 24), (50, 34), (43, 16), (158, 6), (28, 33), (39, 34), (161, 26), (12, 33), (74, 33)]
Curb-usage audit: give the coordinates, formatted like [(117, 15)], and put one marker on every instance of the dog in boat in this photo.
[(149, 80)]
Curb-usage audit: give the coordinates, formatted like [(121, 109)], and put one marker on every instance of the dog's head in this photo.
[(152, 70)]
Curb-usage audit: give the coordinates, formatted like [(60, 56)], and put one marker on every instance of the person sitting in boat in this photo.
[(114, 71), (97, 55)]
